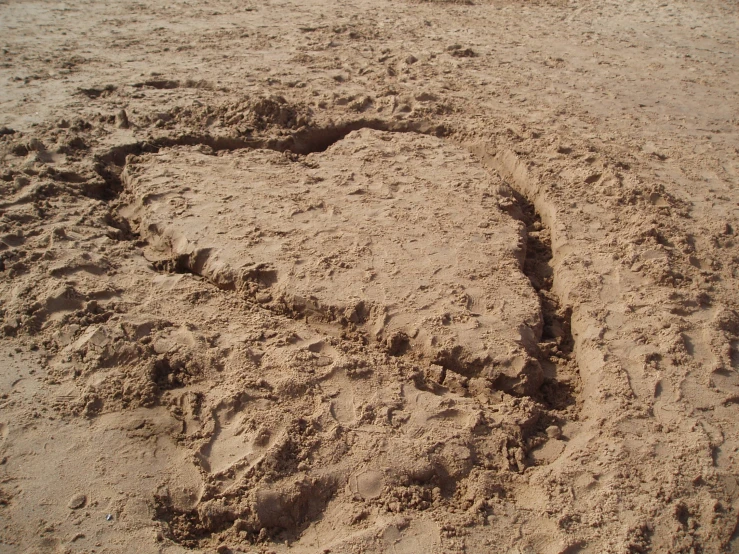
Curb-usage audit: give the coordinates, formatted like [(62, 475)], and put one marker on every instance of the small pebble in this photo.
[(77, 502)]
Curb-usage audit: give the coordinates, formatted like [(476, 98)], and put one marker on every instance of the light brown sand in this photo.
[(369, 277)]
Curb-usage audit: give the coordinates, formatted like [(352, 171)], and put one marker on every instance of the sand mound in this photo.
[(398, 235)]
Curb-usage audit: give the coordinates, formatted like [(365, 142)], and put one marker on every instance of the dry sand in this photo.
[(369, 277)]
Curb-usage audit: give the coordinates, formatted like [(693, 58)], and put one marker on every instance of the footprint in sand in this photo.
[(234, 441), (339, 388)]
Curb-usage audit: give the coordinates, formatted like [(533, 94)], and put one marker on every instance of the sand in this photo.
[(369, 277)]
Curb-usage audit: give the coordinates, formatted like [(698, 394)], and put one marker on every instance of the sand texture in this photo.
[(379, 277)]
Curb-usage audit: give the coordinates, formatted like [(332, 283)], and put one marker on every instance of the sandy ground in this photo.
[(369, 277)]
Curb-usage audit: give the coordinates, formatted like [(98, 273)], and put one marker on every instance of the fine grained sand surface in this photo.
[(369, 277)]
